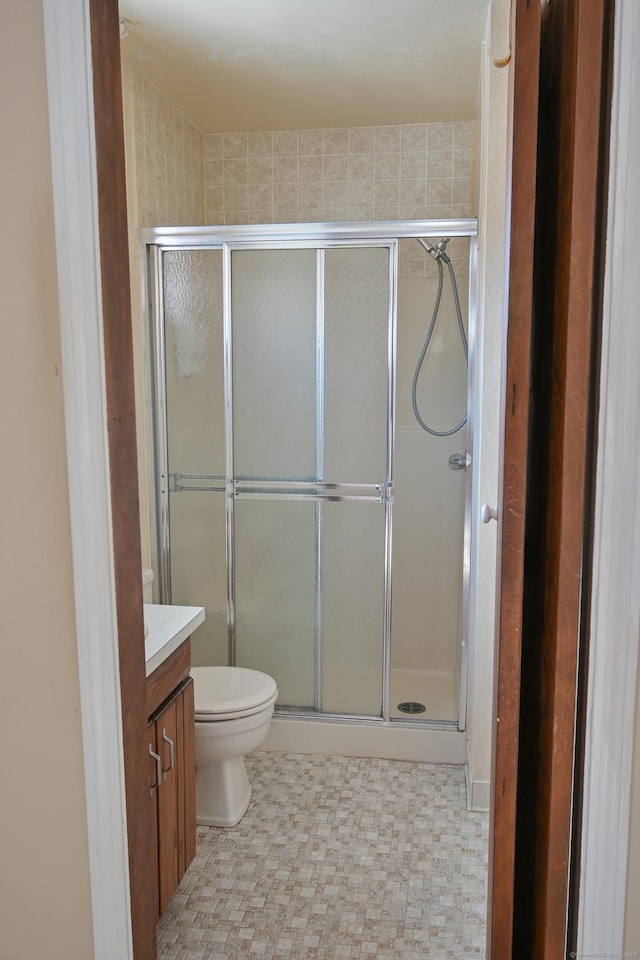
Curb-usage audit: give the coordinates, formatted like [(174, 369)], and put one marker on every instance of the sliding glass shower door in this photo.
[(310, 331), (279, 448)]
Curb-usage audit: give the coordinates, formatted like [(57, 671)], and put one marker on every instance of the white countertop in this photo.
[(168, 626)]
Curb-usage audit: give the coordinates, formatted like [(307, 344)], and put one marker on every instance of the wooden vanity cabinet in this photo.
[(171, 735)]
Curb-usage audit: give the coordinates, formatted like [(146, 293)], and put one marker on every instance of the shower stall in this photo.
[(297, 498)]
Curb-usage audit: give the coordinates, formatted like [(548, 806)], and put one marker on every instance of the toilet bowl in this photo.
[(233, 709)]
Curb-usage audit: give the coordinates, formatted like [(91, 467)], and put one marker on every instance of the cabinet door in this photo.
[(167, 744), (172, 737)]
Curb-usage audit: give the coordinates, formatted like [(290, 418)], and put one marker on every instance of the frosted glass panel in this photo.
[(427, 553), (274, 343), (275, 581), (198, 569), (353, 608), (194, 360), (356, 364)]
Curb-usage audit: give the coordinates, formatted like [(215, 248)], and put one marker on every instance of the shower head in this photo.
[(436, 251), (425, 243)]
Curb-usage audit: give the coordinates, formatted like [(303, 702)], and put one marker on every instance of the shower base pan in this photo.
[(437, 692)]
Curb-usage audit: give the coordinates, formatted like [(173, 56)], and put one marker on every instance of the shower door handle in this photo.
[(459, 461)]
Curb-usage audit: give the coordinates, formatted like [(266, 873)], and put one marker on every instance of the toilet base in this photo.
[(223, 793)]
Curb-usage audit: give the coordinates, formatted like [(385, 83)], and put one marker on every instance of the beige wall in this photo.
[(45, 906)]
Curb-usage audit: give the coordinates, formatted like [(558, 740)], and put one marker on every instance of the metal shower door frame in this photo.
[(320, 237), (472, 481)]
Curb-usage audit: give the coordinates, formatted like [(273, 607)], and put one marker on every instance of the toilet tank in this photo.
[(147, 586)]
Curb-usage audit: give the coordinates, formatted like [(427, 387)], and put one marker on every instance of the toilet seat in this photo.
[(228, 693)]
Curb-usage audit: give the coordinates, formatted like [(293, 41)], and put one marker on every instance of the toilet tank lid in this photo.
[(227, 689)]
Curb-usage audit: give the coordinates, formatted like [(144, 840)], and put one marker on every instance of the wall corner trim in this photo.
[(478, 791)]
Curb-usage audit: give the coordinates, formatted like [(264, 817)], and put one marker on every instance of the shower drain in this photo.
[(411, 706)]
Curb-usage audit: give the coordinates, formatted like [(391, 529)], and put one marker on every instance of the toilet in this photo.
[(233, 710)]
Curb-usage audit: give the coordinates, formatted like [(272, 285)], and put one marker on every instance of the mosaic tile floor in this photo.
[(337, 859)]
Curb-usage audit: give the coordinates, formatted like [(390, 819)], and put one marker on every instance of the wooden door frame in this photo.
[(506, 713), (552, 353), (75, 192)]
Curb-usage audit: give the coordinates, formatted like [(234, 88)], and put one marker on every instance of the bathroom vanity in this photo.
[(170, 712)]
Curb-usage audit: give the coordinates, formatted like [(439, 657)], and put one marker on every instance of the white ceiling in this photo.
[(248, 65)]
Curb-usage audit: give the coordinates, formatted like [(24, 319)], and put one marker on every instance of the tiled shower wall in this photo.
[(165, 187), (405, 172), (168, 160)]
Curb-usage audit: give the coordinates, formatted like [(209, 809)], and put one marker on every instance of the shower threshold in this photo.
[(425, 741)]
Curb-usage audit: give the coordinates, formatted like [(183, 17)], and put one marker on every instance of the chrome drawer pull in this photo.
[(172, 752), (158, 761)]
